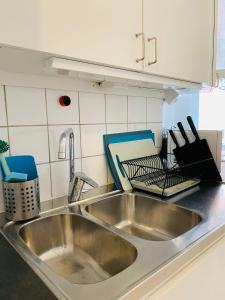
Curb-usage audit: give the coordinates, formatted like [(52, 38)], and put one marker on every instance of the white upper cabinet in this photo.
[(179, 38), (220, 65), (170, 38), (98, 31)]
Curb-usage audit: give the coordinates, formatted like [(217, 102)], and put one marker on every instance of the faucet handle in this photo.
[(82, 176), (76, 186)]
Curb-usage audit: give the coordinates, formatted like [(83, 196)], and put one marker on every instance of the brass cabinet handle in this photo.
[(142, 35), (154, 39)]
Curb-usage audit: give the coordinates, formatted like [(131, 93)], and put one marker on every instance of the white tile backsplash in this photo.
[(3, 134), (2, 206), (54, 135), (30, 140), (137, 110), (36, 120), (136, 126), (44, 181), (1, 190), (116, 109), (26, 106), (92, 108), (157, 130), (154, 110), (58, 114), (95, 167), (60, 177), (3, 120), (92, 140), (116, 128)]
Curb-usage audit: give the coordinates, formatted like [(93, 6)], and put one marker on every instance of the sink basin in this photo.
[(144, 217), (77, 249)]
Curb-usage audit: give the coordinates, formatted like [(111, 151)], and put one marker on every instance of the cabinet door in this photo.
[(220, 63), (202, 279), (98, 31), (184, 37)]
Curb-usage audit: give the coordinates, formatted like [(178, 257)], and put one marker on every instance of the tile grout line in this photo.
[(63, 160), (7, 118), (84, 124), (127, 111), (79, 117), (40, 125), (105, 111), (7, 128), (49, 154), (146, 116), (58, 125), (105, 108), (106, 132)]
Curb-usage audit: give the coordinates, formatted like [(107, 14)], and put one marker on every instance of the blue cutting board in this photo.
[(115, 138)]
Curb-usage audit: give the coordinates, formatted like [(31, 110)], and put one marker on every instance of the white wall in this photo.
[(185, 105), (31, 120), (211, 110)]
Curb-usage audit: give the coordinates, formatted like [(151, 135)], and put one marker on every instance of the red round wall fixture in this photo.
[(64, 101)]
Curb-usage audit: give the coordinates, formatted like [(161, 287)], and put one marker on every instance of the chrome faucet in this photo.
[(78, 179)]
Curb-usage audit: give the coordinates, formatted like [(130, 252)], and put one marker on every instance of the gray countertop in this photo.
[(207, 201), (17, 280)]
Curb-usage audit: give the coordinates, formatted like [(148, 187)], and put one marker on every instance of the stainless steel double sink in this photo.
[(102, 240), (77, 249), (144, 217)]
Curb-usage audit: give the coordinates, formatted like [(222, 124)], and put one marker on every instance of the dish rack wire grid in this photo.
[(152, 171)]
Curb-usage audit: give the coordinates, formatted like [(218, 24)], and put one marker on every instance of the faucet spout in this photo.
[(62, 149), (77, 180)]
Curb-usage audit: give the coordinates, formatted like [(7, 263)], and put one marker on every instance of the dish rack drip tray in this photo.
[(148, 173)]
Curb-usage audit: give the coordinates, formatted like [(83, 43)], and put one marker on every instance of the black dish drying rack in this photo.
[(151, 170)]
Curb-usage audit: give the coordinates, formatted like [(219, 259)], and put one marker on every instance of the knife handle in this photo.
[(174, 138), (182, 131), (193, 128)]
